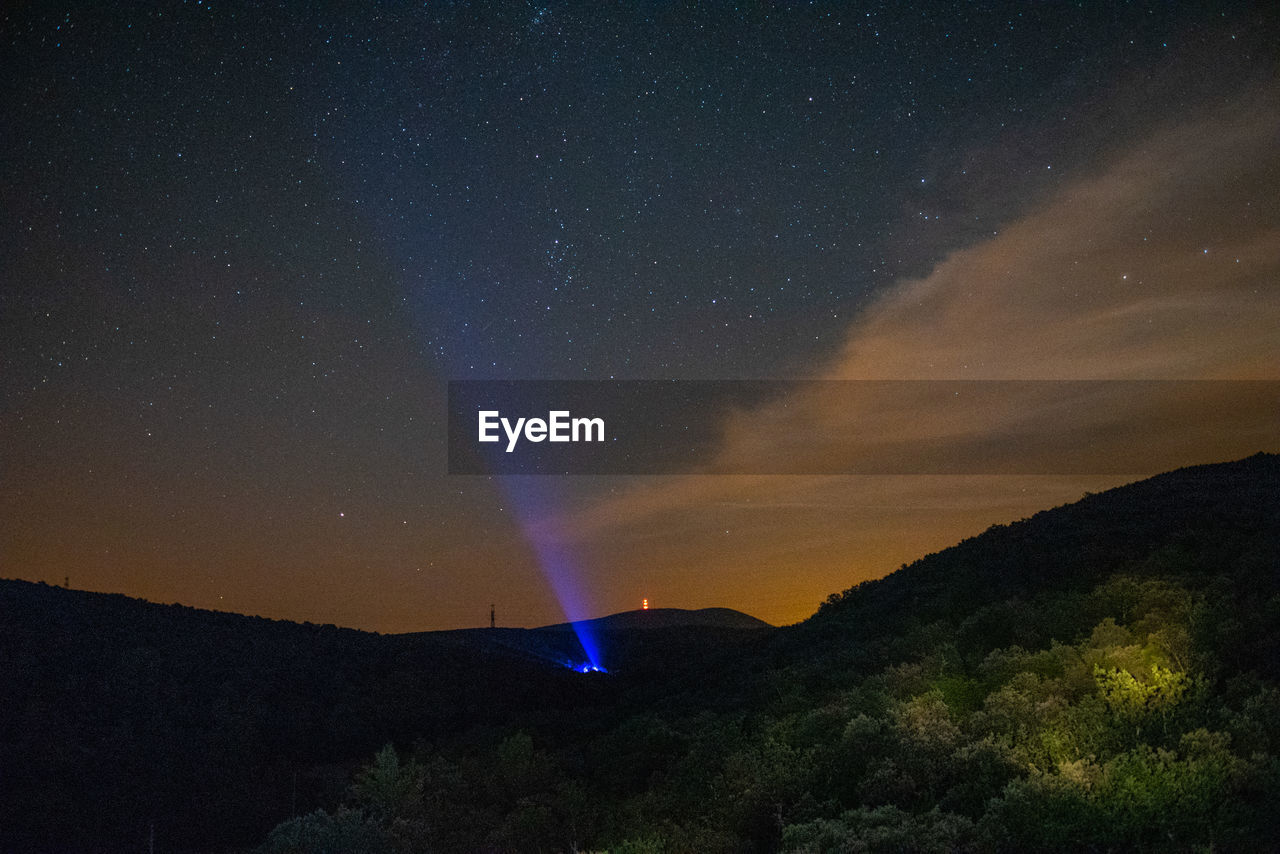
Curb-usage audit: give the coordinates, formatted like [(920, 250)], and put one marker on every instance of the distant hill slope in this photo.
[(666, 618), (1200, 506), (639, 644), (1199, 522)]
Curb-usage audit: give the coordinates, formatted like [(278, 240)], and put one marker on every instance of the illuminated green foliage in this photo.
[(1133, 699)]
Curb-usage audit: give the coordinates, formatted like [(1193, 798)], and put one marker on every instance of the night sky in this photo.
[(245, 247)]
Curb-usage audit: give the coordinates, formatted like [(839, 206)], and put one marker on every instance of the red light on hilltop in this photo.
[(644, 604)]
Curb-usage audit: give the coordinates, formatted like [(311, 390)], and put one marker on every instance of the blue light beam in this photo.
[(558, 566)]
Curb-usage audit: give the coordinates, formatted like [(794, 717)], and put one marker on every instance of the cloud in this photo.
[(1162, 265)]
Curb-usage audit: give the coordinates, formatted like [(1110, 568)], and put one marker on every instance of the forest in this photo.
[(1101, 676)]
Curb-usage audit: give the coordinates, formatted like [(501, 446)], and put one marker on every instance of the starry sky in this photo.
[(245, 247)]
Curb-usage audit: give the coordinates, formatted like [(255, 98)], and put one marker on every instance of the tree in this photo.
[(391, 794)]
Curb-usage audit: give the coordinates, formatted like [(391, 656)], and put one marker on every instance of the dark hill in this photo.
[(666, 618), (1201, 514), (120, 711), (115, 712), (631, 642), (1201, 509), (1210, 526)]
